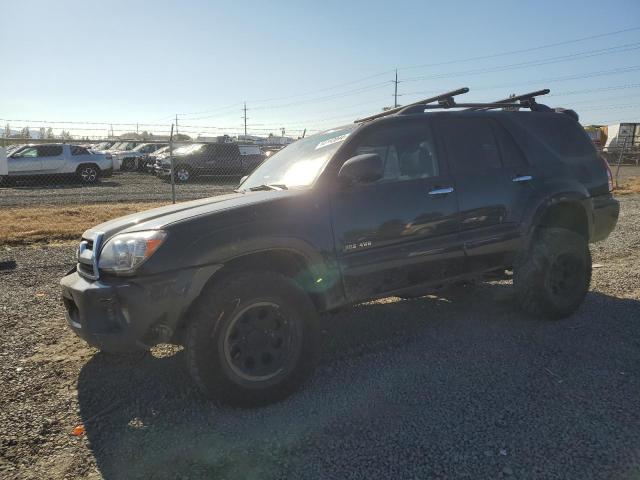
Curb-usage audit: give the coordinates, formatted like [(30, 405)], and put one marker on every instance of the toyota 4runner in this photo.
[(393, 204)]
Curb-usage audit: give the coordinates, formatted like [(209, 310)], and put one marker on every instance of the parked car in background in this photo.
[(56, 160), (215, 159), (131, 160), (148, 161), (101, 146), (118, 147)]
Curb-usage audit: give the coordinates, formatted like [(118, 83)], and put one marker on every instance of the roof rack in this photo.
[(528, 98), (401, 110), (446, 101)]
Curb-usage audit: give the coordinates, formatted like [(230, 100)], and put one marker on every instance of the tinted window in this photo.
[(562, 134), (76, 150), (49, 150), (511, 154), (471, 144), (407, 152)]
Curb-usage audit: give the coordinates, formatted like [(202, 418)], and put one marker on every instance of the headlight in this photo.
[(125, 252)]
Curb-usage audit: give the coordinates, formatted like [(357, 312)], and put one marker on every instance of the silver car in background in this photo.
[(53, 160)]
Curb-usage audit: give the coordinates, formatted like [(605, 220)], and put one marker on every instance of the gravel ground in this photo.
[(121, 187), (453, 386)]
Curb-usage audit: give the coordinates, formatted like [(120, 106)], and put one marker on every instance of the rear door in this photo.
[(52, 157), (400, 231), (490, 189)]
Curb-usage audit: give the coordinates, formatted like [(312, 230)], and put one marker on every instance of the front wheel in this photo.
[(88, 173), (553, 277), (253, 339)]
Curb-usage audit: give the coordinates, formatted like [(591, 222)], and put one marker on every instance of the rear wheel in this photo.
[(88, 173), (553, 277), (253, 339)]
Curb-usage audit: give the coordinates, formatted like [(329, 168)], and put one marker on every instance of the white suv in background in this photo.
[(55, 161)]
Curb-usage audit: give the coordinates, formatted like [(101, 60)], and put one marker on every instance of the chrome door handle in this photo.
[(441, 191), (522, 178)]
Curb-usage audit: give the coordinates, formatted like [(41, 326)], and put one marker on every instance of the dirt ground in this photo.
[(455, 385)]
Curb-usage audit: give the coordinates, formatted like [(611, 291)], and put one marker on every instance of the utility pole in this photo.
[(177, 125), (395, 93), (245, 118)]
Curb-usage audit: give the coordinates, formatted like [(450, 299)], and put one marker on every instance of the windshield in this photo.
[(299, 164)]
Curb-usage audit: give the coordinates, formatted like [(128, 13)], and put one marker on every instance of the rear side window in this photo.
[(76, 150), (512, 156), (562, 134), (471, 144), (49, 150)]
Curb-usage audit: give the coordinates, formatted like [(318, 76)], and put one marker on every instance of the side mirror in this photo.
[(362, 168)]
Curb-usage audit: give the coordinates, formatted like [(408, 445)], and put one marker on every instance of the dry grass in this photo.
[(49, 224), (628, 186)]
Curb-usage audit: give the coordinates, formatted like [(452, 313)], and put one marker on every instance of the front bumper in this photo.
[(124, 315), (605, 216)]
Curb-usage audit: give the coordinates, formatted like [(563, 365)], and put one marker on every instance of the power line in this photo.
[(449, 62), (523, 50), (533, 63)]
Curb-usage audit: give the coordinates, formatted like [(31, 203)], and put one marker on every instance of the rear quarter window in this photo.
[(76, 150), (560, 133)]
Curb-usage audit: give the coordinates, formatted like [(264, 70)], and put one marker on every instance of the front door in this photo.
[(25, 162), (401, 230)]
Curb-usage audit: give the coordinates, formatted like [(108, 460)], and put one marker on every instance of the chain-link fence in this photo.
[(34, 173)]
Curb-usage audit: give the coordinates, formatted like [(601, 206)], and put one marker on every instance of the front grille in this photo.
[(88, 253)]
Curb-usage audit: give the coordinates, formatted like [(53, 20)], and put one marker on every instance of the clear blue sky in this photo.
[(293, 62)]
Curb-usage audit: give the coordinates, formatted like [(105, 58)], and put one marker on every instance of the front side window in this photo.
[(29, 152), (407, 153), (471, 144)]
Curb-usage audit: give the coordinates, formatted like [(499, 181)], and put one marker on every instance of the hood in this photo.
[(159, 218)]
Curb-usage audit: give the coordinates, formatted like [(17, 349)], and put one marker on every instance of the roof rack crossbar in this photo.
[(525, 97), (407, 108), (475, 106)]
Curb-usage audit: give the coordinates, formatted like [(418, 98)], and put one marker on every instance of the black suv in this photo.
[(219, 159), (386, 206)]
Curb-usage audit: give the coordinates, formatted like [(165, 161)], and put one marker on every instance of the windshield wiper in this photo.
[(271, 186)]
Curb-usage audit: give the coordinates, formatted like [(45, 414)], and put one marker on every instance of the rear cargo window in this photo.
[(561, 134)]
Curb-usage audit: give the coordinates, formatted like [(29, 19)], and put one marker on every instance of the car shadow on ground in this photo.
[(461, 369)]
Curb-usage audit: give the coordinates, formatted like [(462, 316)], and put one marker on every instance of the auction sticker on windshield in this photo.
[(331, 141)]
